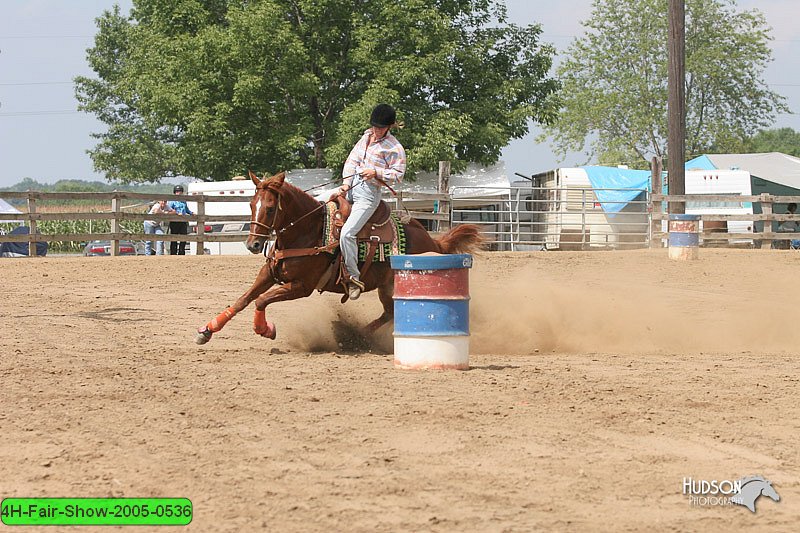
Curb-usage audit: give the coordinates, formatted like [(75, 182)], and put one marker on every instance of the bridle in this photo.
[(269, 228)]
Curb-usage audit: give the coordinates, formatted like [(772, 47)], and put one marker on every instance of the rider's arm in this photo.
[(354, 161)]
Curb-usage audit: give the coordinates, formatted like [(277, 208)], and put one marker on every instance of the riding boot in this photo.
[(354, 288)]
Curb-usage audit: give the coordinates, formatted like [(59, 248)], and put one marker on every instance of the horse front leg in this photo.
[(262, 283), (278, 293)]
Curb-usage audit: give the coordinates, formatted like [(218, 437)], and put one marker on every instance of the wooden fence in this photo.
[(423, 206), (117, 215), (767, 216)]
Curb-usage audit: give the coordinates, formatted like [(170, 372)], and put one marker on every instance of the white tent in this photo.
[(475, 181), (5, 209)]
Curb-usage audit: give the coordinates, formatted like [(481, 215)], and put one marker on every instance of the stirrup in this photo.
[(354, 288)]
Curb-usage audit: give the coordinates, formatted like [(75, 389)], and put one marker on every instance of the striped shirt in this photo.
[(386, 156)]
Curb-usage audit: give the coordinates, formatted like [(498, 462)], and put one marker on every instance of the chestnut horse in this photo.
[(298, 260)]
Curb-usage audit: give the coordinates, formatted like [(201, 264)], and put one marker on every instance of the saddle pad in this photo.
[(384, 250)]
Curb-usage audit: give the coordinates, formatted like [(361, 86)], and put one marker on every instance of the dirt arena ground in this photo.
[(598, 382)]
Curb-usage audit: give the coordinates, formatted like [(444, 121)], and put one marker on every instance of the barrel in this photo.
[(431, 311), (684, 237)]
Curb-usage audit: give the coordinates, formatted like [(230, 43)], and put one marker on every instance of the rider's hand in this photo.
[(369, 174), (343, 188)]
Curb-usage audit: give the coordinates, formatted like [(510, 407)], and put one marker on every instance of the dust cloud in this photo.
[(628, 312)]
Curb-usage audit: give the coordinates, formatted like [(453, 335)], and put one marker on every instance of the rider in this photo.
[(377, 159)]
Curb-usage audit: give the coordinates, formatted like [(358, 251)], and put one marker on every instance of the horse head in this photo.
[(768, 490), (752, 488), (266, 212)]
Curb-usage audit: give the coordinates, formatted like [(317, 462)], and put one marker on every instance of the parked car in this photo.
[(104, 248)]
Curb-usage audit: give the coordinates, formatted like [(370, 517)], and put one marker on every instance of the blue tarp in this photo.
[(700, 163), (21, 248), (617, 178)]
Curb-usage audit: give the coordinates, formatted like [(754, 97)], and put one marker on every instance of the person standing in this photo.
[(178, 227), (377, 159), (790, 226), (154, 227)]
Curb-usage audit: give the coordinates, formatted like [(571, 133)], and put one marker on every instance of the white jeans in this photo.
[(366, 197)]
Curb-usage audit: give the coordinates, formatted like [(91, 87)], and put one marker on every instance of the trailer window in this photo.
[(487, 213), (715, 205)]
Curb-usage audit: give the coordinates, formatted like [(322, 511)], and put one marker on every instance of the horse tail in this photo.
[(462, 239)]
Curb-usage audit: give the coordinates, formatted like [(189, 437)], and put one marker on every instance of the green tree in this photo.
[(208, 88), (615, 80), (784, 140)]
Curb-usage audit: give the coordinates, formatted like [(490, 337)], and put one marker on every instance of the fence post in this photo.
[(115, 208), (656, 208), (444, 187), (201, 224), (583, 219), (766, 209), (32, 226)]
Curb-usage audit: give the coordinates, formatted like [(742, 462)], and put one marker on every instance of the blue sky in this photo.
[(43, 47)]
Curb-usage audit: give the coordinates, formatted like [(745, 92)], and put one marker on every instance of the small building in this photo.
[(775, 173)]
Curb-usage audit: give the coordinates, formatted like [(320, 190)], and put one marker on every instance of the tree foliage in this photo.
[(785, 140), (615, 80), (208, 88)]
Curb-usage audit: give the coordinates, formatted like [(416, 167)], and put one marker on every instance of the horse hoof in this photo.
[(271, 332), (203, 336)]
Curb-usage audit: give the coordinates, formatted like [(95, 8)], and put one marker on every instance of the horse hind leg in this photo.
[(385, 292)]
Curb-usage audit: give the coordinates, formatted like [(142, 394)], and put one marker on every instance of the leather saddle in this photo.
[(377, 229)]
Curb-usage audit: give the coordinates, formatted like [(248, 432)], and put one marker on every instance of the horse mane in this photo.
[(299, 197), (750, 479)]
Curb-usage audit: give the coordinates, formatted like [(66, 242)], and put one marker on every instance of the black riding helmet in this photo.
[(176, 189), (383, 116)]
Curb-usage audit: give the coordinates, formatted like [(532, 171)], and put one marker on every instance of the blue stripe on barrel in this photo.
[(431, 317), (430, 262), (682, 239)]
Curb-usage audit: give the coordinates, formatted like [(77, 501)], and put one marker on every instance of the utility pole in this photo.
[(676, 103)]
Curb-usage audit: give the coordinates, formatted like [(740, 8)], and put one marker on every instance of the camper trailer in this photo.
[(711, 182), (576, 213), (239, 187)]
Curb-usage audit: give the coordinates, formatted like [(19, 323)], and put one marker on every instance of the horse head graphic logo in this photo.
[(752, 488)]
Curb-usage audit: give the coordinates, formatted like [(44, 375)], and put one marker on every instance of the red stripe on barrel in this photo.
[(685, 226), (432, 284)]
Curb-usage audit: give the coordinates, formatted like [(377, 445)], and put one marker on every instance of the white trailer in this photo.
[(576, 218), (711, 182), (241, 187)]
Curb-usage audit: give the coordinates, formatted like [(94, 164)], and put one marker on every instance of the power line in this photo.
[(46, 36), (38, 113), (36, 83)]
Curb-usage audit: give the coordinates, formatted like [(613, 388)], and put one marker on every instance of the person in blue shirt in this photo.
[(178, 227)]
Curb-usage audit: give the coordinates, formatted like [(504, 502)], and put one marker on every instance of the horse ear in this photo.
[(277, 179), (254, 178)]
